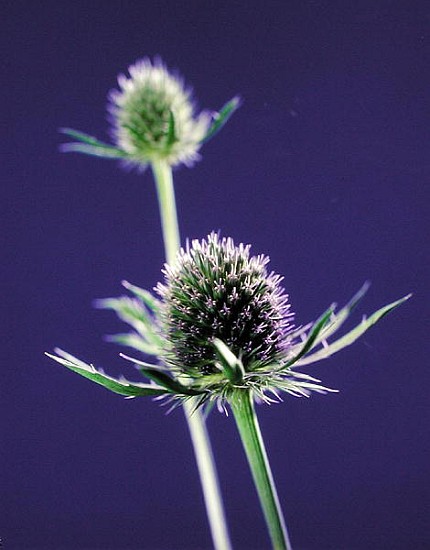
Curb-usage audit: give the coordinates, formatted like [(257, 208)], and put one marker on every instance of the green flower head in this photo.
[(153, 118)]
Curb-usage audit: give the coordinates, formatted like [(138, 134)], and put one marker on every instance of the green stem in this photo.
[(196, 423), (167, 204), (247, 423)]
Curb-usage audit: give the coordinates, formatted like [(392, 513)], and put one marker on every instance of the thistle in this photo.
[(222, 333), (153, 118), (222, 323)]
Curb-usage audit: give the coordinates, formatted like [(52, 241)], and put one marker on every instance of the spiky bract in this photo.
[(153, 116)]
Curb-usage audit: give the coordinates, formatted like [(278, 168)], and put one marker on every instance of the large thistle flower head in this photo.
[(222, 325), (216, 291), (153, 117)]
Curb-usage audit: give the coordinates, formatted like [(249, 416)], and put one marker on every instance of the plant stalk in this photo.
[(247, 423), (196, 423)]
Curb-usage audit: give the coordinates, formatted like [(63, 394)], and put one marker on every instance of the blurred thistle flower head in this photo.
[(222, 325), (153, 116)]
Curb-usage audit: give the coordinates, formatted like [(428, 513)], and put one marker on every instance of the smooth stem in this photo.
[(247, 423), (196, 423), (167, 204)]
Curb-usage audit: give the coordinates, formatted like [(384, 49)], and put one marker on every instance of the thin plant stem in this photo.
[(196, 422), (167, 204), (247, 423)]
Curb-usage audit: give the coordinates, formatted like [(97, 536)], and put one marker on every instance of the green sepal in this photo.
[(313, 335), (353, 335), (231, 365), (120, 386), (222, 117), (153, 373)]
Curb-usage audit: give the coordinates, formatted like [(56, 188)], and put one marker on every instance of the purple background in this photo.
[(325, 168)]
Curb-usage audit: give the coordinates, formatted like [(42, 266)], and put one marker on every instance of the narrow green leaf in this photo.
[(161, 378), (135, 313), (336, 320), (221, 118), (340, 317), (128, 309), (147, 298), (120, 386), (84, 138), (133, 340), (231, 365), (353, 335), (315, 331), (171, 136), (93, 150)]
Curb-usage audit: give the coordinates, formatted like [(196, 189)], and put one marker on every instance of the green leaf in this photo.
[(89, 145), (81, 136), (147, 298), (94, 150), (221, 118), (340, 317), (171, 136), (353, 335), (161, 378), (313, 335), (120, 386), (133, 340), (231, 365), (134, 312)]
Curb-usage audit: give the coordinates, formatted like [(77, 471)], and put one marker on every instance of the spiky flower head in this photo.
[(218, 291), (154, 117)]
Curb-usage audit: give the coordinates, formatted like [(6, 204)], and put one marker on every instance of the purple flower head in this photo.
[(217, 291)]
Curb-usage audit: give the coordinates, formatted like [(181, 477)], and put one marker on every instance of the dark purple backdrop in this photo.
[(325, 168)]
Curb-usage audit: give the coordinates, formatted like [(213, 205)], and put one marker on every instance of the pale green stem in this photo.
[(196, 423), (167, 204), (247, 423)]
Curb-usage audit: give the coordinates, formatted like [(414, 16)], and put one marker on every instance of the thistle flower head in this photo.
[(218, 291), (153, 119), (153, 116)]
